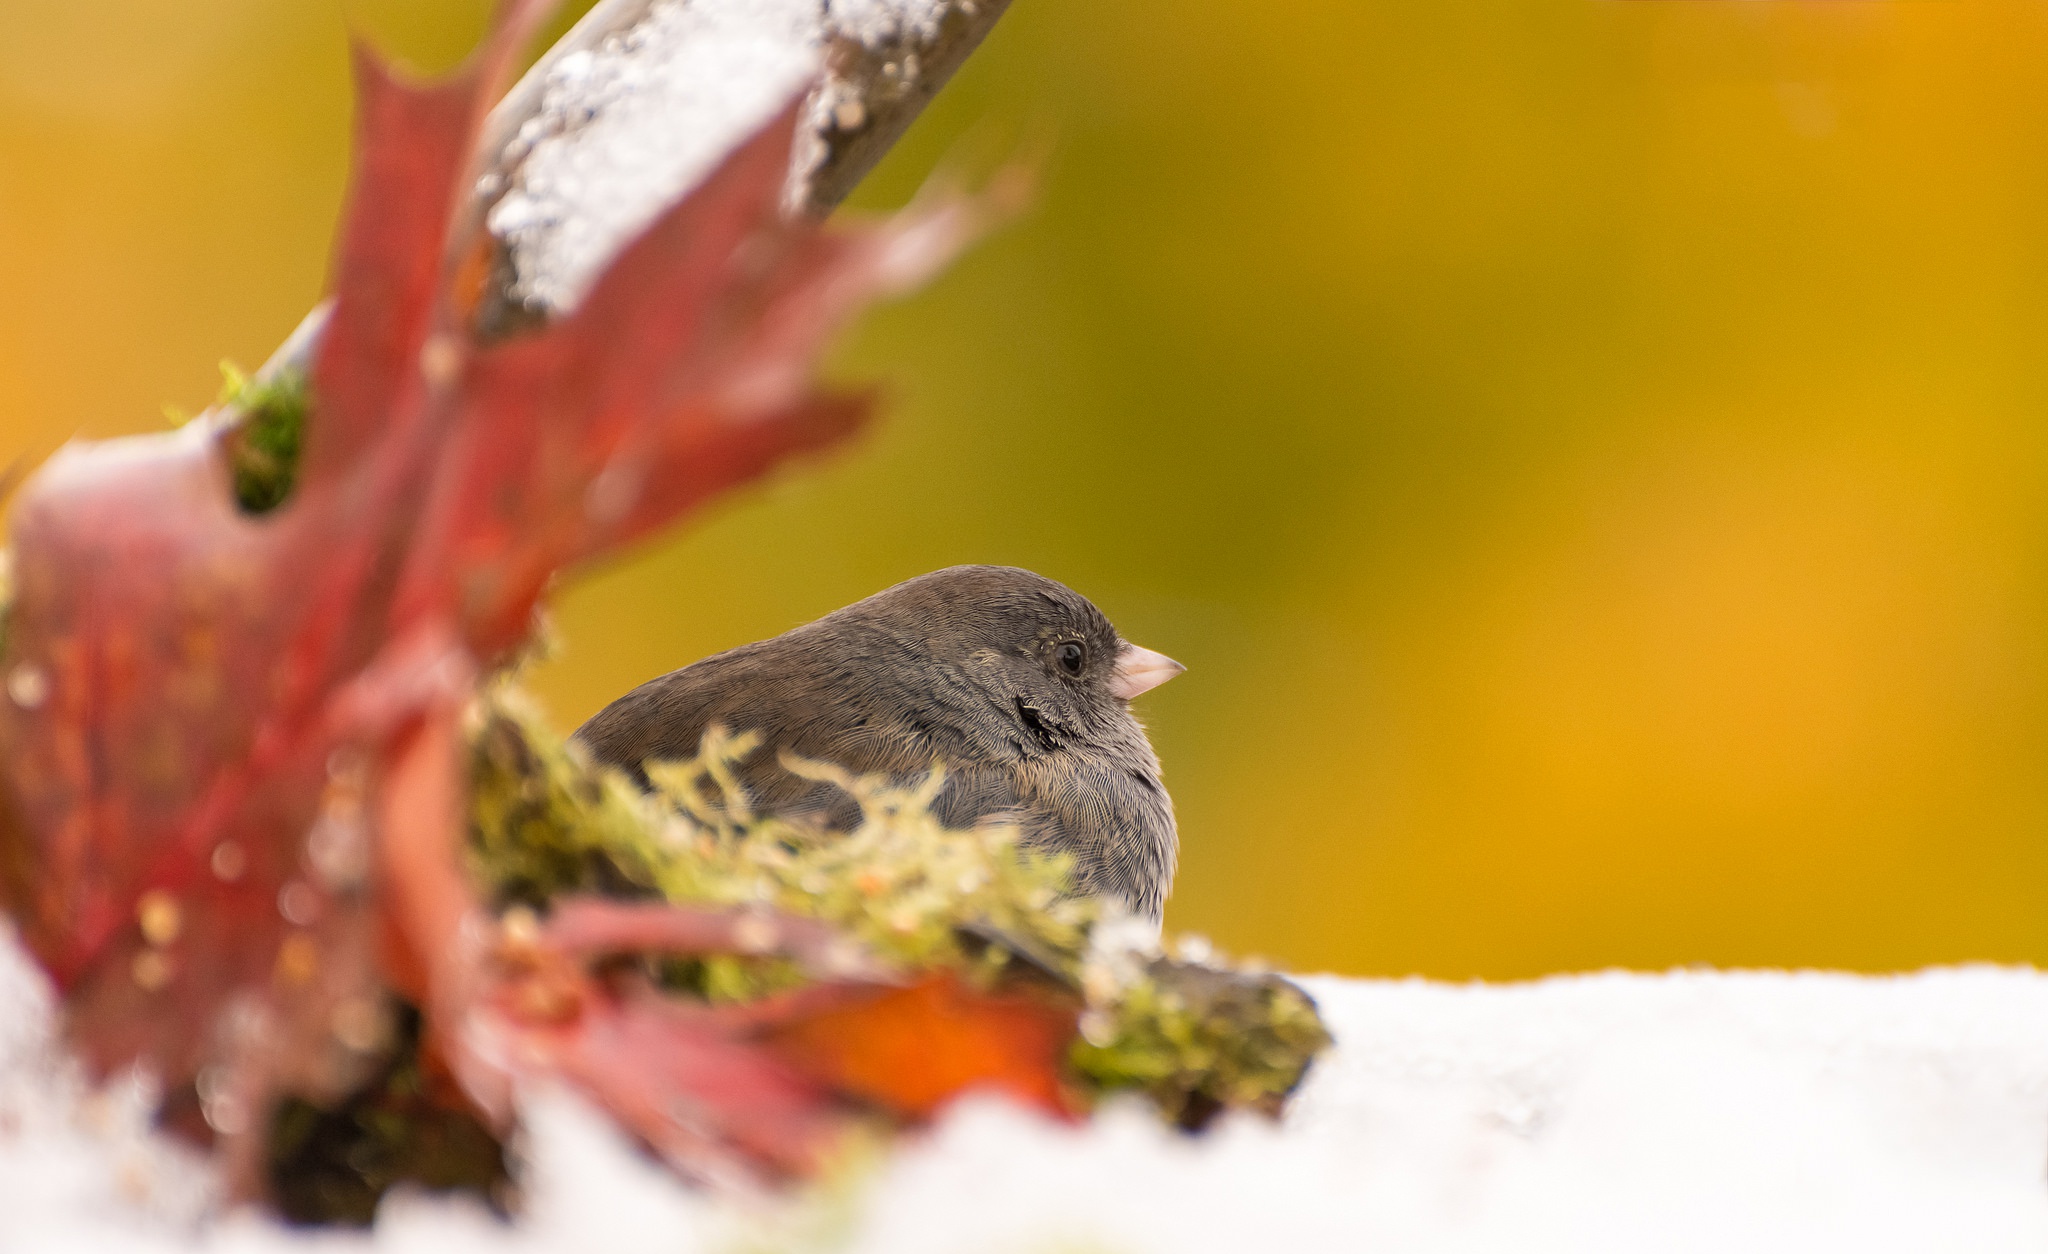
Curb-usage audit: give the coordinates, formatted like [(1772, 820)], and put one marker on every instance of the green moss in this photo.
[(264, 443), (1199, 1039), (544, 821), (907, 888), (1195, 1036)]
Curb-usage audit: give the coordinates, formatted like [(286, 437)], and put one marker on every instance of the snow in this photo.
[(625, 127), (1749, 1111), (630, 119), (878, 23)]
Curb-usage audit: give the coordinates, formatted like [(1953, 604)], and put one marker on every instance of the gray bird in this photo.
[(1016, 684)]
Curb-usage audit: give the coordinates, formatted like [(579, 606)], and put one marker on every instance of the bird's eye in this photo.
[(1072, 657)]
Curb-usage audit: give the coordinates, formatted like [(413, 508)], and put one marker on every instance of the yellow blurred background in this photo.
[(1591, 455)]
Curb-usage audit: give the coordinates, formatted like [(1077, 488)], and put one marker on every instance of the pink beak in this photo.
[(1141, 670)]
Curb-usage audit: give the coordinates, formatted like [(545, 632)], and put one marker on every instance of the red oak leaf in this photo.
[(231, 788)]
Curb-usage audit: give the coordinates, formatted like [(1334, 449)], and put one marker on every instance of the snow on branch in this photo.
[(643, 98)]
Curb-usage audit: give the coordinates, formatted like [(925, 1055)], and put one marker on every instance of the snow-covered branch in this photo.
[(644, 97)]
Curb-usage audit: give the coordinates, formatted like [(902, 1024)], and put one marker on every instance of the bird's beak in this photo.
[(1141, 670)]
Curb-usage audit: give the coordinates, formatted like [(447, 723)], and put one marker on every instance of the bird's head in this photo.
[(1045, 659)]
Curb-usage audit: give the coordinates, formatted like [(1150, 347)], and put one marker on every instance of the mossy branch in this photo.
[(879, 63), (1196, 1035)]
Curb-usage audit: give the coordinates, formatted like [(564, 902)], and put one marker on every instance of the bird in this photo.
[(1014, 684)]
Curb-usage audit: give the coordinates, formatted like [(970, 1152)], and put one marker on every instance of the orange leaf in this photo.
[(911, 1050)]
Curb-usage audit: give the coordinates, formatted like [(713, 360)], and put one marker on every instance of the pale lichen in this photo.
[(1195, 1036), (545, 821)]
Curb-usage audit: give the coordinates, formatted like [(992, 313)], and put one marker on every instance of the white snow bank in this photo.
[(1690, 1111)]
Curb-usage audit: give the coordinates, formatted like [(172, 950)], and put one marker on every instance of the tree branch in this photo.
[(644, 97)]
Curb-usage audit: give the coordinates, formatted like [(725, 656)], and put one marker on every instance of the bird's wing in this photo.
[(794, 711), (1115, 822)]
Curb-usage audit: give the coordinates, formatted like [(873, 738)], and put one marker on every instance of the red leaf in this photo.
[(762, 1090), (166, 764), (231, 786), (706, 1098)]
